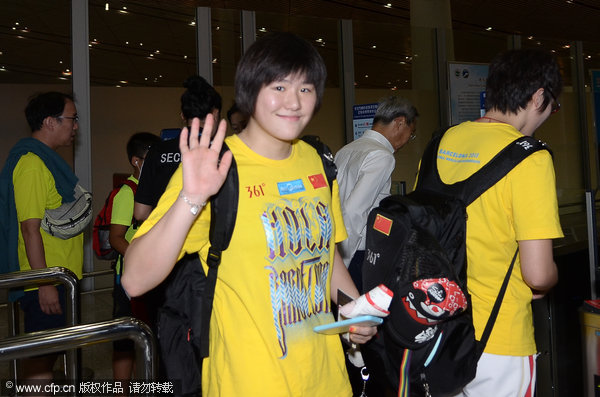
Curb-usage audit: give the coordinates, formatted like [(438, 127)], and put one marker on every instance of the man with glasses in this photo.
[(35, 178), (520, 211), (364, 177), (365, 173)]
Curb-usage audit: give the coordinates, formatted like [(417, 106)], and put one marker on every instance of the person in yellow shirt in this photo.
[(282, 268), (520, 211)]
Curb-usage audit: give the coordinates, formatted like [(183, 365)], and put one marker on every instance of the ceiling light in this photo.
[(66, 72), (214, 60), (388, 5), (366, 76), (106, 7), (123, 81), (192, 23), (141, 44), (373, 46), (530, 37), (185, 57), (157, 52), (319, 40), (263, 30), (2, 69), (488, 28)]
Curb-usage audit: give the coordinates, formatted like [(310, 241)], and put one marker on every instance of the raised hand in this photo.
[(203, 172)]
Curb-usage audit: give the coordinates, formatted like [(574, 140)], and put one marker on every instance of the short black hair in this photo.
[(139, 143), (199, 98), (515, 75), (272, 57), (46, 104)]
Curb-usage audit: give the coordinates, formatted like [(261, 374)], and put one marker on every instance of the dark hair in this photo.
[(515, 75), (47, 104), (393, 107), (272, 57), (139, 143), (199, 99)]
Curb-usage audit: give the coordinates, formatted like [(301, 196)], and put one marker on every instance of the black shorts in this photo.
[(35, 319), (121, 308)]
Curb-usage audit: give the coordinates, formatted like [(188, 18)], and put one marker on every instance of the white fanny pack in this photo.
[(69, 219)]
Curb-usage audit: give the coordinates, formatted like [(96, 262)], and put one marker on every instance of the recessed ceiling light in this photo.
[(388, 5), (488, 28), (263, 30), (373, 46), (192, 23)]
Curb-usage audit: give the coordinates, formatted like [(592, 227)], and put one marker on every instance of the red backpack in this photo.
[(102, 247)]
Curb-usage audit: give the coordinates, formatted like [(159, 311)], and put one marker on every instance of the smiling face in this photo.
[(283, 108)]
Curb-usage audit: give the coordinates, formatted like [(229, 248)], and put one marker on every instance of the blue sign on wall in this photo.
[(362, 118)]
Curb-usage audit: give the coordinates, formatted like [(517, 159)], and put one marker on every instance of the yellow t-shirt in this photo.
[(521, 206), (35, 191), (122, 214), (273, 283)]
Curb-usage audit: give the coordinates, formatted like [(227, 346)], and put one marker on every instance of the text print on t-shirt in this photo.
[(298, 234), (456, 157)]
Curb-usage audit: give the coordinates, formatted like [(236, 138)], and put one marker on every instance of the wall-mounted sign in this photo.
[(466, 87), (362, 118)]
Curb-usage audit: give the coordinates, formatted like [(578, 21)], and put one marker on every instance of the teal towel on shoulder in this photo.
[(64, 179)]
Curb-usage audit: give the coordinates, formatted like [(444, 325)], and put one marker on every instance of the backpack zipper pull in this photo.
[(425, 385)]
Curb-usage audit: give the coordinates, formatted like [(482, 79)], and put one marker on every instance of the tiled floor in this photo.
[(97, 358)]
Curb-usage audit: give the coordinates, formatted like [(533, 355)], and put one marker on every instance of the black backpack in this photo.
[(184, 317), (416, 246)]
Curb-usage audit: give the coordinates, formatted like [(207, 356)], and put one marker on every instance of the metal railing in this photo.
[(37, 277), (56, 340)]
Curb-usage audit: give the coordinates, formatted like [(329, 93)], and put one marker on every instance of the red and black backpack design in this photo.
[(101, 245)]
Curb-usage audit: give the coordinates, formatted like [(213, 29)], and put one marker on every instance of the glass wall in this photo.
[(226, 52), (140, 53), (35, 55), (384, 67)]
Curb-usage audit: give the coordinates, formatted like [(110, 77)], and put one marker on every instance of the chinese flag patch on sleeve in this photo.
[(382, 224), (317, 181)]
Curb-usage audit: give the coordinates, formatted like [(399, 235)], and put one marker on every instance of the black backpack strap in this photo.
[(326, 157), (486, 177), (494, 314), (223, 212)]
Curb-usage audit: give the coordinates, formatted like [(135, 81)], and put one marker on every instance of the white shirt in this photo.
[(364, 177)]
